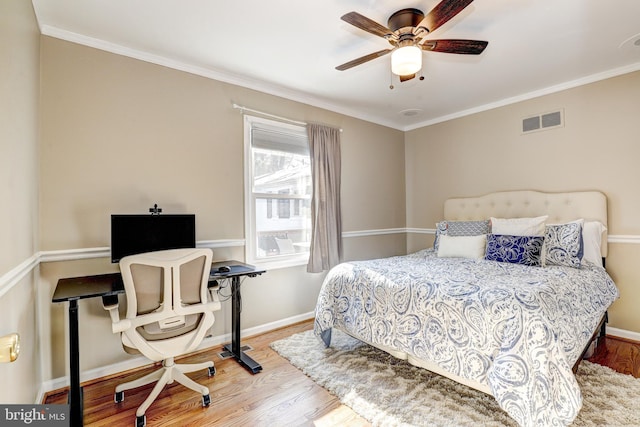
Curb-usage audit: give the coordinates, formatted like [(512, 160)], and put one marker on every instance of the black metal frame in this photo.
[(234, 348), (107, 286), (598, 335)]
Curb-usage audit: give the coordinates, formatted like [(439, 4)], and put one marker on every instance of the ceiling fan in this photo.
[(407, 31)]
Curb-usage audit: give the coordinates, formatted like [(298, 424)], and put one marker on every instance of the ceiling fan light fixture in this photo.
[(406, 60)]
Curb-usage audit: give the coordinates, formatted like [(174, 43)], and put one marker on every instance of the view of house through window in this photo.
[(279, 194)]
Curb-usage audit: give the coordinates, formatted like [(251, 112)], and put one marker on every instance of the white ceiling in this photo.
[(290, 48)]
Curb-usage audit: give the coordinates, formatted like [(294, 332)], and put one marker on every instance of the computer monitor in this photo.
[(134, 234)]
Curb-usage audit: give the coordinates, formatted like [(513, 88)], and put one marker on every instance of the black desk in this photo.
[(238, 270), (107, 286)]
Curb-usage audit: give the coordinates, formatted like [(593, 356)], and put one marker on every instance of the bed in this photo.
[(512, 326)]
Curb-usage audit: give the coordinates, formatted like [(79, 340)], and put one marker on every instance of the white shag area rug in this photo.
[(391, 392)]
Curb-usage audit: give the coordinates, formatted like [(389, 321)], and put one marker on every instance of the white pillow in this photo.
[(519, 226), (462, 246), (592, 239)]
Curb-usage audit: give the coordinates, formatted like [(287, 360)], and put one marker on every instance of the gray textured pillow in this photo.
[(460, 228)]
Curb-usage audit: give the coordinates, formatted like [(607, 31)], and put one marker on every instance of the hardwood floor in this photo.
[(619, 354), (280, 395)]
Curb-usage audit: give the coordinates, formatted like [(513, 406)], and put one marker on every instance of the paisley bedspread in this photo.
[(514, 328)]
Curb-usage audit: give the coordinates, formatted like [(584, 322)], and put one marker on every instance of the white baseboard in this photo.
[(621, 333), (141, 361)]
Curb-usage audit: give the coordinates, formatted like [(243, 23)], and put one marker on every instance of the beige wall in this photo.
[(119, 135), (597, 149), (19, 74)]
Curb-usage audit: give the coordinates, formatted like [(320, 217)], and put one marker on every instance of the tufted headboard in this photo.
[(561, 207)]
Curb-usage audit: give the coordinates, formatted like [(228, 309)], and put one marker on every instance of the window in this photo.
[(277, 192)]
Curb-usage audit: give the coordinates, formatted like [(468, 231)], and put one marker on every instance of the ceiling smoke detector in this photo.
[(411, 112)]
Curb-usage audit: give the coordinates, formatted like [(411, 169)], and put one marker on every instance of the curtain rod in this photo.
[(273, 116)]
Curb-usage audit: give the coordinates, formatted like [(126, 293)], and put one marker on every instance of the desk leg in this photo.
[(75, 391), (235, 348)]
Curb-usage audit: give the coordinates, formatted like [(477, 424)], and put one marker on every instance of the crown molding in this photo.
[(212, 73), (297, 96), (530, 95)]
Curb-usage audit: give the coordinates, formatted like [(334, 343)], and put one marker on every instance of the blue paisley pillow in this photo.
[(525, 250), (563, 243)]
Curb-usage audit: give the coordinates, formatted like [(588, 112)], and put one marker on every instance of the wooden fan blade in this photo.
[(443, 12), (407, 77), (465, 47), (366, 24), (363, 59)]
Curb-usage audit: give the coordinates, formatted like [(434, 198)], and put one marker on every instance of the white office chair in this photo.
[(168, 314)]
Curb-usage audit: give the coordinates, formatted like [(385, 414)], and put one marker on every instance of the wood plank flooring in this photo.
[(280, 395), (619, 354)]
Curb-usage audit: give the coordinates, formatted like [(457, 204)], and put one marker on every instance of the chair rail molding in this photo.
[(16, 274), (611, 238), (623, 238), (376, 232)]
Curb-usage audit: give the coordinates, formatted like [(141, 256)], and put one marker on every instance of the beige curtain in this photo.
[(326, 221)]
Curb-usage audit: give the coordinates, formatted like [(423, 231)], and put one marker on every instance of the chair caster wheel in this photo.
[(212, 371), (206, 400), (141, 421), (119, 396)]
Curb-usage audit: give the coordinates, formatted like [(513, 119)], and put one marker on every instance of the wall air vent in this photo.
[(545, 121)]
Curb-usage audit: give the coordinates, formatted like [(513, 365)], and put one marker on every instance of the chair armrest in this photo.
[(120, 326), (112, 307), (117, 325), (109, 300)]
